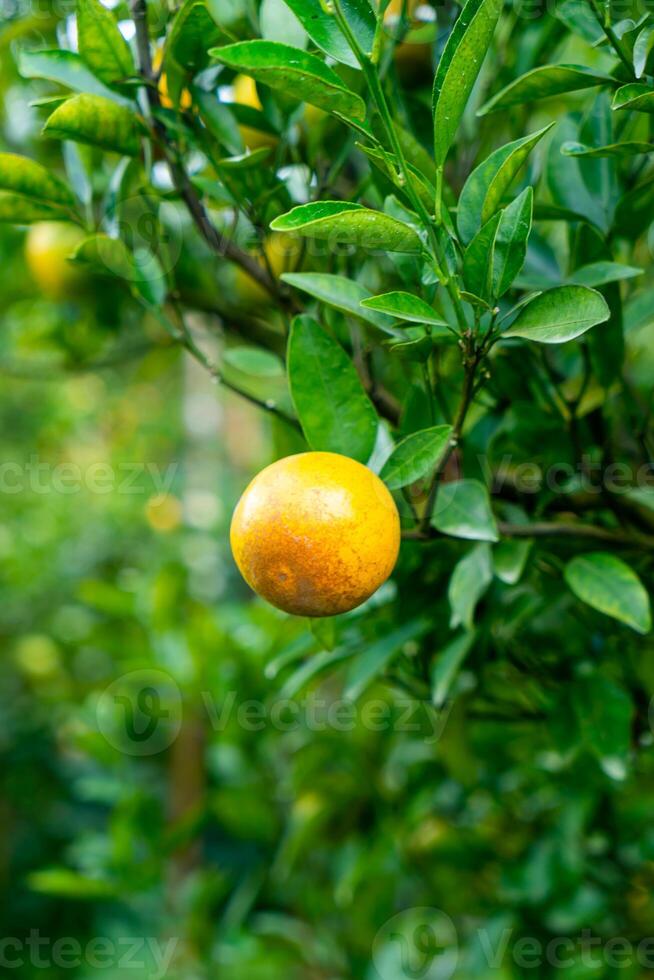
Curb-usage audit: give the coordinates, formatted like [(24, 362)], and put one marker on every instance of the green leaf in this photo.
[(324, 31), (470, 579), (604, 712), (404, 306), (192, 33), (17, 209), (643, 46), (448, 664), (463, 510), (24, 176), (66, 68), (416, 456), (509, 559), (219, 120), (609, 585), (559, 315), (351, 224), (635, 97), (101, 45), (458, 68), (543, 82), (497, 252), (378, 654), (69, 884), (633, 212), (600, 273), (343, 294), (611, 151), (335, 412), (294, 72), (96, 121), (484, 189), (107, 256)]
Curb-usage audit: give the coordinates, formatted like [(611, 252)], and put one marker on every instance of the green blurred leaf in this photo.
[(335, 412), (609, 585), (635, 97), (24, 176), (448, 664), (66, 68), (469, 581), (559, 315), (544, 82), (463, 510), (20, 210), (611, 151), (601, 273), (509, 559), (372, 662)]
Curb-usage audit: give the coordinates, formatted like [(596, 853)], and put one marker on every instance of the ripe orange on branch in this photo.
[(316, 534)]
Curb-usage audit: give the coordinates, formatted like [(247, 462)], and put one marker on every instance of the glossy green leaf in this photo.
[(66, 68), (24, 176), (294, 72), (486, 186), (20, 210), (601, 273), (559, 315), (470, 579), (643, 46), (609, 585), (334, 410), (101, 45), (544, 82), (447, 665), (372, 662), (324, 31), (352, 224), (416, 456), (458, 68), (405, 306), (612, 151), (341, 293), (635, 97), (192, 33), (463, 510), (496, 254), (509, 559), (96, 121), (633, 212)]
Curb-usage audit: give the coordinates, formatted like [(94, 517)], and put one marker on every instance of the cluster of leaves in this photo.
[(466, 304)]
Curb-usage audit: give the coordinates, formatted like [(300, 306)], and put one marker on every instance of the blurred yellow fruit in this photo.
[(185, 100), (163, 512), (316, 534), (282, 252), (48, 246), (245, 93)]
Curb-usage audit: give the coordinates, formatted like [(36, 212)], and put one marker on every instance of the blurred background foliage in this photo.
[(269, 853)]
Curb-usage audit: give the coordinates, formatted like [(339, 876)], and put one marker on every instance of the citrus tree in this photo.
[(417, 237)]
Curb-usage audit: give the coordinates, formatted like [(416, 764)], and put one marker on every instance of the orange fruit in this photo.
[(48, 245), (316, 534)]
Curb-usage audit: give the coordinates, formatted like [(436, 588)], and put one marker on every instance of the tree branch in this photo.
[(217, 242)]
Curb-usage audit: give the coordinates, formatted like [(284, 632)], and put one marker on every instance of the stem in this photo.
[(217, 242), (472, 357), (603, 21)]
